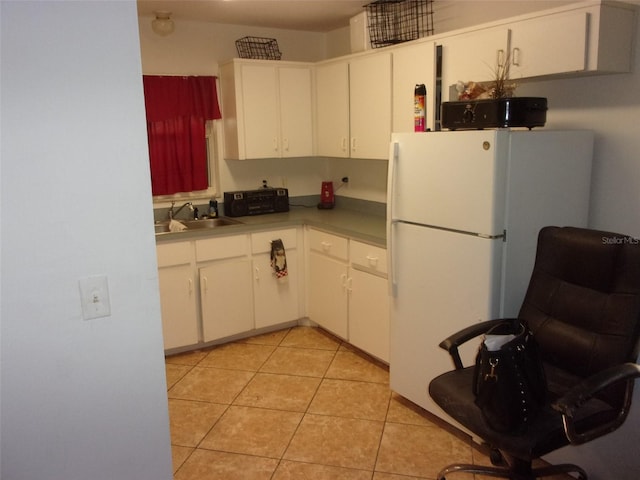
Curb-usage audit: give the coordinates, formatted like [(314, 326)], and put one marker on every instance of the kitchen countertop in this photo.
[(364, 226)]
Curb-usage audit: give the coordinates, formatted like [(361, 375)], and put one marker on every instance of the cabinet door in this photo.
[(369, 313), (296, 127), (226, 299), (178, 304), (370, 106), (260, 111), (275, 299), (332, 109), (549, 45), (414, 64), (328, 293), (472, 57)]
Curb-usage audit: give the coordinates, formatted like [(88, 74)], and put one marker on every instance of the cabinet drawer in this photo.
[(173, 254), (261, 242), (221, 247), (332, 245), (369, 257)]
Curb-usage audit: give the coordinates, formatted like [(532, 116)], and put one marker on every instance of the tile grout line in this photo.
[(342, 346), (227, 405), (306, 411)]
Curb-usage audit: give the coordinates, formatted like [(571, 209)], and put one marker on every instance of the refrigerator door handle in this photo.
[(393, 159), (391, 180), (391, 276)]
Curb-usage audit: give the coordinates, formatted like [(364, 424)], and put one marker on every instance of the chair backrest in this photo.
[(583, 300)]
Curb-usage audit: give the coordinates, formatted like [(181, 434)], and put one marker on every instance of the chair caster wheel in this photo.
[(496, 457)]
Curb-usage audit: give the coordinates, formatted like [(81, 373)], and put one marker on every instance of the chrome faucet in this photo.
[(173, 213)]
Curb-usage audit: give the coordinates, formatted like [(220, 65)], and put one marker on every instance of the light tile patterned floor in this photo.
[(299, 404)]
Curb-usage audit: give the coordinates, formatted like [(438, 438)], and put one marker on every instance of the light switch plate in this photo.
[(94, 297)]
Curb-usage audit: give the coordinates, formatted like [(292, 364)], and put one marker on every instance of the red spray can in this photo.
[(420, 106)]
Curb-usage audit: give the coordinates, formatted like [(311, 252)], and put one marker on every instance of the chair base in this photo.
[(515, 472)]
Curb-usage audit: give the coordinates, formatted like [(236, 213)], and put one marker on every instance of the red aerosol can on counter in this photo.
[(327, 199), (419, 108)]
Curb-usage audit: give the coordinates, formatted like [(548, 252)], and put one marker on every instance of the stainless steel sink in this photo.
[(163, 227)]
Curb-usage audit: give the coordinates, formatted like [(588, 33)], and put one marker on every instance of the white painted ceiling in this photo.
[(307, 15)]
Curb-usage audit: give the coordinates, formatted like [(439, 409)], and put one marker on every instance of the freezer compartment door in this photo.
[(454, 180), (444, 282)]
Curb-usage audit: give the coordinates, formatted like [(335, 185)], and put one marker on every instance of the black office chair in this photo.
[(583, 308)]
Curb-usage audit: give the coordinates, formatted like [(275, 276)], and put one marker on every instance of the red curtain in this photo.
[(177, 110)]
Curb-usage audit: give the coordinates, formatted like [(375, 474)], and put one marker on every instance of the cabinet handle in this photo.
[(343, 279), (349, 285), (344, 144), (190, 286), (205, 285), (515, 57), (285, 144), (326, 246), (500, 58), (373, 261), (275, 144), (353, 144), (257, 275)]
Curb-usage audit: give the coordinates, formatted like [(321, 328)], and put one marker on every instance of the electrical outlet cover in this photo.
[(94, 297)]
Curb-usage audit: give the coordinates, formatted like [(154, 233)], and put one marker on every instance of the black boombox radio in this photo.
[(256, 202)]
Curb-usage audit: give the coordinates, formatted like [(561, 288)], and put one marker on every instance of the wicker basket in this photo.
[(396, 21), (258, 48)]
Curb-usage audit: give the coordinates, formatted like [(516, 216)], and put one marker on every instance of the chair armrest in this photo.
[(451, 343), (569, 404)]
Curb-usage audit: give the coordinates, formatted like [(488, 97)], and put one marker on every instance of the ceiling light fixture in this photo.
[(162, 24)]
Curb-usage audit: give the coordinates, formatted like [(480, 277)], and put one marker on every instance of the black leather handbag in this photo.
[(509, 380)]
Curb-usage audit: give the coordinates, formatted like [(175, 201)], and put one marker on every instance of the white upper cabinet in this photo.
[(259, 87), (296, 126), (472, 56), (267, 109), (597, 38), (549, 45), (347, 107), (370, 105), (353, 107), (569, 40), (332, 109), (412, 65)]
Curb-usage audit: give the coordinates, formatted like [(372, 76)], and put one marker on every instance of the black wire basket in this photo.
[(258, 48), (396, 21)]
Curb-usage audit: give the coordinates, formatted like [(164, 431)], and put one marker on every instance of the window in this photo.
[(181, 114)]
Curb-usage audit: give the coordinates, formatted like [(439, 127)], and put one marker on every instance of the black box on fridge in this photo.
[(495, 113)]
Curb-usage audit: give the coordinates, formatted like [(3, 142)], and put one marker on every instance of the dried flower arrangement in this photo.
[(499, 87)]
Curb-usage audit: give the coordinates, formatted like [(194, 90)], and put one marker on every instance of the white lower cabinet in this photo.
[(369, 300), (226, 298), (275, 299), (178, 301), (328, 296), (347, 291), (217, 287), (178, 304)]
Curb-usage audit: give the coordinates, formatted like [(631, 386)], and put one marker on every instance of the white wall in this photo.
[(609, 105), (196, 48), (80, 399)]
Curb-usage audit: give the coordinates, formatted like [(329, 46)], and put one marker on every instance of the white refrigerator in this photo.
[(463, 212)]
